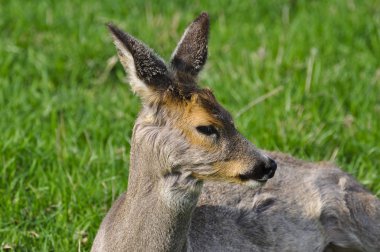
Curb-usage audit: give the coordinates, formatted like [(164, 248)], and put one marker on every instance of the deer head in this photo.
[(182, 127)]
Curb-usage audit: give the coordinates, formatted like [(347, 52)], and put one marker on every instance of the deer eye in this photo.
[(207, 130)]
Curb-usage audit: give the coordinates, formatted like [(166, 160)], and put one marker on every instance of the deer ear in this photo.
[(191, 52), (148, 74)]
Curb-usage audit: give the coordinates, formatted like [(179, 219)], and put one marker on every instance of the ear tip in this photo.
[(119, 35), (204, 14), (114, 29), (203, 20), (203, 17)]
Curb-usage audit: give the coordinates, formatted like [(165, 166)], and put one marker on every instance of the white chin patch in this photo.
[(253, 183)]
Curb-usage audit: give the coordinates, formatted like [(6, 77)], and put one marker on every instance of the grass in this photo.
[(66, 118)]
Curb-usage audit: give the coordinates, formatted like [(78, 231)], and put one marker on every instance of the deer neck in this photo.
[(159, 207)]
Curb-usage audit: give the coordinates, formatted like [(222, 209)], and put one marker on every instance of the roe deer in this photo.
[(185, 147)]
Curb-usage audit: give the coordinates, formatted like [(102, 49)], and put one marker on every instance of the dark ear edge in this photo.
[(191, 52), (147, 66)]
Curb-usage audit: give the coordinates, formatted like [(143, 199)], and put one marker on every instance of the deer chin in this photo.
[(254, 184), (251, 183)]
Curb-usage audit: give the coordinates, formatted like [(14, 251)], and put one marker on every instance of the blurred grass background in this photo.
[(66, 114)]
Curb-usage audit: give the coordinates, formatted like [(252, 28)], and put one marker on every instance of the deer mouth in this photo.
[(255, 176), (260, 173), (252, 175), (249, 179)]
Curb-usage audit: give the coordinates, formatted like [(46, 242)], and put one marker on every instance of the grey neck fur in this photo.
[(160, 205)]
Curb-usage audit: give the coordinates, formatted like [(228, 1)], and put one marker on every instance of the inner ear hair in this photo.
[(143, 66), (191, 52)]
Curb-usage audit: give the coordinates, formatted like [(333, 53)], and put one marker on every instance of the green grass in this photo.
[(65, 120)]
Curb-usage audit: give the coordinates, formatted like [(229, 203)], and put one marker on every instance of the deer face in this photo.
[(181, 124)]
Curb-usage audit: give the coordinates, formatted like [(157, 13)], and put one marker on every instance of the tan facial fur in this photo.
[(191, 114)]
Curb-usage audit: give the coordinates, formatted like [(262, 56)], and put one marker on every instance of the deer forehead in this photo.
[(200, 108)]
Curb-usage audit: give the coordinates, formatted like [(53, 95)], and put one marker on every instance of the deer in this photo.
[(196, 184)]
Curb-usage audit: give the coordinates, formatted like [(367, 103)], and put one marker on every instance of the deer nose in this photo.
[(262, 171), (271, 168)]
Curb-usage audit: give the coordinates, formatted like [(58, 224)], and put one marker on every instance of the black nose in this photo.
[(262, 171), (271, 168)]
